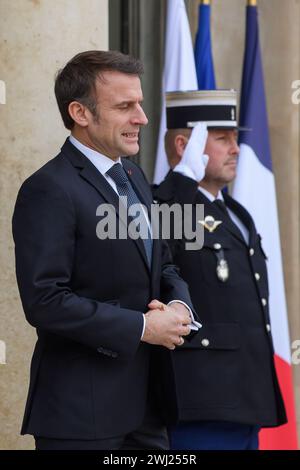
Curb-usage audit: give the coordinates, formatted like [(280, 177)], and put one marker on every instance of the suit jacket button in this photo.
[(251, 251), (257, 276), (264, 302), (217, 246), (268, 327), (205, 342)]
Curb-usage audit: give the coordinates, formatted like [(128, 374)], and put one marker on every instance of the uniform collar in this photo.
[(210, 196)]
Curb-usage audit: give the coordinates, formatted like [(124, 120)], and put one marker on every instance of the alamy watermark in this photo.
[(2, 92), (175, 222), (296, 94), (296, 352), (2, 352)]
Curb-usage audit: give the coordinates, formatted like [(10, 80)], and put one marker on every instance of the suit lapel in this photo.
[(243, 215), (89, 173), (138, 183)]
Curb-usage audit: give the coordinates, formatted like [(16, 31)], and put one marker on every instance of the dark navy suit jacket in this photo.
[(90, 372)]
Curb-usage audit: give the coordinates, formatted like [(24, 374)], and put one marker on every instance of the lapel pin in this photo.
[(210, 223), (129, 172)]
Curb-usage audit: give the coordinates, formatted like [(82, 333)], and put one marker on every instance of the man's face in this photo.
[(222, 149), (115, 131)]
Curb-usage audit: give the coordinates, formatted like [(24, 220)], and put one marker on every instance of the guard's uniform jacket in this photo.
[(226, 373)]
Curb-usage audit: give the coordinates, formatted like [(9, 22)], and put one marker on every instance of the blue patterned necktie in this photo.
[(118, 174)]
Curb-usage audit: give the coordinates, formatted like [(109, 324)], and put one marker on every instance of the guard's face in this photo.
[(115, 132), (222, 148)]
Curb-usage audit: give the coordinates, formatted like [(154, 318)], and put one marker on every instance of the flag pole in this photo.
[(205, 2), (252, 3)]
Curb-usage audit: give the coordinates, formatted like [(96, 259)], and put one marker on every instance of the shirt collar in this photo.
[(100, 161), (210, 196)]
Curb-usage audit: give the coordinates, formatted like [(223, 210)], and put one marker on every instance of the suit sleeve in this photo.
[(172, 285), (180, 189), (44, 231)]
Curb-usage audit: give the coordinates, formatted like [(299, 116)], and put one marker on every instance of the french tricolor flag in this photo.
[(179, 72), (255, 189)]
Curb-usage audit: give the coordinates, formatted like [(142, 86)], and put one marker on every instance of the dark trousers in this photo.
[(213, 435), (152, 434), (144, 438)]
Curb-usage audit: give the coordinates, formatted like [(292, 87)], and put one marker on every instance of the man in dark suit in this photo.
[(226, 379), (101, 376)]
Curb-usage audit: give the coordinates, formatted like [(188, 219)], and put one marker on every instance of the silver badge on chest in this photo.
[(210, 223), (222, 270)]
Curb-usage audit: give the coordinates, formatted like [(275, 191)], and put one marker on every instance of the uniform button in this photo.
[(205, 342), (251, 251), (217, 246), (257, 276), (264, 302), (268, 327)]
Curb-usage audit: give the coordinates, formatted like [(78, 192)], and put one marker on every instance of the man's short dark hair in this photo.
[(77, 80)]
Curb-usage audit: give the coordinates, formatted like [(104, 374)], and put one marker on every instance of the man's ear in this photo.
[(180, 144), (78, 113)]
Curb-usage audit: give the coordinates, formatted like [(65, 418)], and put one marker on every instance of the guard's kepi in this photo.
[(217, 108)]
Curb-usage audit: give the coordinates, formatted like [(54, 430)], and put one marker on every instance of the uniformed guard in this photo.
[(226, 380)]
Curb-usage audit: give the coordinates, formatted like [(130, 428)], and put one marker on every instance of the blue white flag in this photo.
[(255, 189), (203, 51)]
